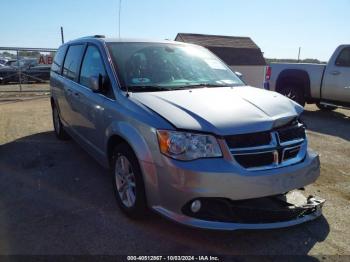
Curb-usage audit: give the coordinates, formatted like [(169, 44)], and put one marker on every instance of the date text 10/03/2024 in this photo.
[(173, 258)]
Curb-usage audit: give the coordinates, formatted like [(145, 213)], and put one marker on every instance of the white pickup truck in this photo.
[(326, 85)]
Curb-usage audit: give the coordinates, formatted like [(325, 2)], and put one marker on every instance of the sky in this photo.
[(278, 27)]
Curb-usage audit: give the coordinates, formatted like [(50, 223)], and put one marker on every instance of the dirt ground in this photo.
[(55, 199), (33, 87)]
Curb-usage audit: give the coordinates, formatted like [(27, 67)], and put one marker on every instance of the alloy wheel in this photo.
[(125, 181)]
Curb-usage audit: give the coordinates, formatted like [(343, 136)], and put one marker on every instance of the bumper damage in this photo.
[(278, 211)]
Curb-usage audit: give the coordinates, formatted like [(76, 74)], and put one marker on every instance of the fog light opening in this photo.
[(196, 206)]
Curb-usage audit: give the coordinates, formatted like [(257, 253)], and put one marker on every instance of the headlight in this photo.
[(187, 146)]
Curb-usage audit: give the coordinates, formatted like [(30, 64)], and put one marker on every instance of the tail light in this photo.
[(268, 73)]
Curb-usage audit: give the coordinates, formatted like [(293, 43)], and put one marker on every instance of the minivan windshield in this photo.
[(145, 67)]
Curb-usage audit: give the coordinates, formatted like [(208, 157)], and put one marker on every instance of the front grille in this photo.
[(248, 140), (291, 133), (291, 153), (255, 160), (269, 149)]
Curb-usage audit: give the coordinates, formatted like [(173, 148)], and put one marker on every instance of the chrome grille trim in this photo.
[(293, 142), (246, 150), (275, 147)]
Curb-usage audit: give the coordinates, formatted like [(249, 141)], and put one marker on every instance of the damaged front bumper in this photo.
[(279, 211), (231, 195)]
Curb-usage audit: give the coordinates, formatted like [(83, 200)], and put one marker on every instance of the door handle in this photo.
[(335, 73), (76, 94)]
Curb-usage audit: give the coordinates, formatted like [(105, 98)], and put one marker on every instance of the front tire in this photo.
[(294, 93), (61, 134), (325, 107), (128, 182)]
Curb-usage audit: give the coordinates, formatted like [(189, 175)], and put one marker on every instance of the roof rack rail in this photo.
[(94, 36), (99, 36)]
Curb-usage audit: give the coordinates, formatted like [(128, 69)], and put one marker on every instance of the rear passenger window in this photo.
[(344, 58), (72, 61), (58, 61)]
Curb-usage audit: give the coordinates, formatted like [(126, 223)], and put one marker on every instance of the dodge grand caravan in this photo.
[(183, 135)]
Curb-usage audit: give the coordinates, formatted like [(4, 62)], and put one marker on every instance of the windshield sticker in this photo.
[(140, 80), (215, 64)]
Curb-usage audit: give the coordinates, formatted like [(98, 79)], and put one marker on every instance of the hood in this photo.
[(222, 111)]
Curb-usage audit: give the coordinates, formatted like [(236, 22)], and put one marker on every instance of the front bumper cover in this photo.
[(310, 207)]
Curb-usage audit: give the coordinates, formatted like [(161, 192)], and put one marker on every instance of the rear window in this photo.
[(344, 58), (72, 61), (58, 61)]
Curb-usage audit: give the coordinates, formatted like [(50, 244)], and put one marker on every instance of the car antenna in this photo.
[(119, 14)]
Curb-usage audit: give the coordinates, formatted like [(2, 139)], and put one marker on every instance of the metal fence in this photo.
[(25, 70)]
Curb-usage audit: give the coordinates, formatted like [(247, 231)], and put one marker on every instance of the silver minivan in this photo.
[(183, 135)]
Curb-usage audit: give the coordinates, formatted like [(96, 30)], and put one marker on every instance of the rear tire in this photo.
[(325, 107), (61, 134), (294, 93), (128, 182)]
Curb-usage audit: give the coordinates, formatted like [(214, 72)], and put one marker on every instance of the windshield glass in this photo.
[(160, 66)]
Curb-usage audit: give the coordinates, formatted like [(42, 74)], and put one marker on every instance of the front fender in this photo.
[(133, 137), (142, 141)]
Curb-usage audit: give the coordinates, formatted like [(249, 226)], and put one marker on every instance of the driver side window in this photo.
[(93, 66)]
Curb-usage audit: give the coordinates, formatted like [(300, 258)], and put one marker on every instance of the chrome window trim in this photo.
[(96, 93)]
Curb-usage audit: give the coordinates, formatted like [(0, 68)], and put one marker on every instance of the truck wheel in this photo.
[(325, 107), (61, 134), (128, 182), (294, 93)]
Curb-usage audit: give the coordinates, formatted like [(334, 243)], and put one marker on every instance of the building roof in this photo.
[(217, 40), (231, 49)]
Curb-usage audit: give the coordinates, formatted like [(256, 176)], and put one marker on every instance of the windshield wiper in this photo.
[(199, 85), (147, 88), (155, 88)]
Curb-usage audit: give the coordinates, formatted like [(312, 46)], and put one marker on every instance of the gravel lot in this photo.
[(34, 87), (55, 199)]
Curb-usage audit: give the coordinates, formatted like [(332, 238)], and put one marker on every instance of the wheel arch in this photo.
[(113, 141), (122, 132), (299, 78)]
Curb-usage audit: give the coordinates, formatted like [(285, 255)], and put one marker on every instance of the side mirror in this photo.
[(95, 83)]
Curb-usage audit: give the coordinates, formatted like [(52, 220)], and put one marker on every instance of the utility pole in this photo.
[(119, 13), (62, 36), (299, 55)]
